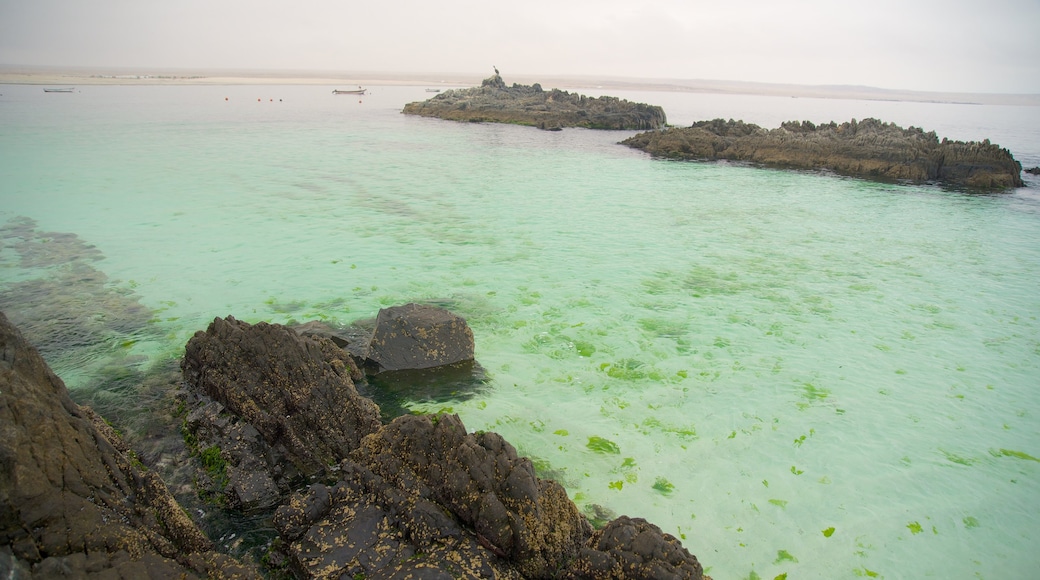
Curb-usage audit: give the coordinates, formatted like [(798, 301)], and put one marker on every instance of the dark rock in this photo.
[(482, 482), (418, 336), (632, 548), (364, 527), (72, 502), (868, 148), (494, 102), (1033, 171), (296, 392)]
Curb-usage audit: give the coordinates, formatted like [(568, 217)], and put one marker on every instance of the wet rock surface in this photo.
[(416, 336), (495, 102), (298, 393), (869, 149), (73, 502)]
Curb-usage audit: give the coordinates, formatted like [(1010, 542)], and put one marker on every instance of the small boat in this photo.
[(433, 90), (68, 90), (359, 91)]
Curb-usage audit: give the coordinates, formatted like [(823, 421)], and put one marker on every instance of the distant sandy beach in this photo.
[(12, 75)]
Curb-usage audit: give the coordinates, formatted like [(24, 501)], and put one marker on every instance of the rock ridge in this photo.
[(495, 102), (869, 148)]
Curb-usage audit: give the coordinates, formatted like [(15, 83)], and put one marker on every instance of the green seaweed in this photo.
[(954, 458), (970, 522), (1012, 453), (781, 503), (784, 556), (601, 445), (915, 528), (664, 486), (828, 532)]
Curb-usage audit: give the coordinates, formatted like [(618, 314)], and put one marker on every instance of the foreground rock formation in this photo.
[(73, 501), (285, 430), (494, 102), (868, 148)]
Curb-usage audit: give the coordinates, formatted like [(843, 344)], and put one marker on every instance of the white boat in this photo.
[(433, 90), (359, 91), (68, 90)]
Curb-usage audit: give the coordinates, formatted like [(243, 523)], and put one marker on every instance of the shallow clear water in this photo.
[(792, 372)]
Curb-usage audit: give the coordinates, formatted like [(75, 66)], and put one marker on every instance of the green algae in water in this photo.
[(828, 532), (779, 503), (915, 528), (601, 445), (1012, 453), (663, 486), (784, 556)]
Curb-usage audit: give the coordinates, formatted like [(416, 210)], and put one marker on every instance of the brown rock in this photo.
[(295, 391), (71, 502), (417, 336), (868, 148)]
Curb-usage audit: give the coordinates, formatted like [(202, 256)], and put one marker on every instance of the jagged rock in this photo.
[(868, 148), (417, 336), (364, 527), (72, 502), (422, 496), (1033, 171), (494, 102), (634, 549), (296, 392), (480, 479)]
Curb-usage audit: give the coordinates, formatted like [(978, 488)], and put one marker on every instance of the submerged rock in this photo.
[(494, 102), (869, 148), (73, 502)]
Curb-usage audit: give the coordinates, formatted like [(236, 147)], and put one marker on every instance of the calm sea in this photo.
[(793, 372)]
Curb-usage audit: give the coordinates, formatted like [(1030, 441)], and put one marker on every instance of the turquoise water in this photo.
[(792, 372)]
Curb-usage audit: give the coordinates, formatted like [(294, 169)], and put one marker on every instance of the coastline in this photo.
[(15, 75)]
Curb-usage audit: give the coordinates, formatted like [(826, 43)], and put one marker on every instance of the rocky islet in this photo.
[(869, 148)]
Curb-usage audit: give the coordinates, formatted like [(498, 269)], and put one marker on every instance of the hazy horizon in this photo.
[(918, 45)]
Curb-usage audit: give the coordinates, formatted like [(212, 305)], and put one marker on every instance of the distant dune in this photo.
[(12, 74)]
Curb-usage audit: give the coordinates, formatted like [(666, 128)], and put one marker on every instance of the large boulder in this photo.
[(418, 336), (73, 503), (869, 148), (295, 395)]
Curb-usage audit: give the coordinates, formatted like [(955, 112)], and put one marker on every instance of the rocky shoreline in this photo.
[(275, 420), (494, 102), (869, 149)]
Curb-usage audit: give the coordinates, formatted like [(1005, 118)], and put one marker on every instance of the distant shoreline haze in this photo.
[(38, 75)]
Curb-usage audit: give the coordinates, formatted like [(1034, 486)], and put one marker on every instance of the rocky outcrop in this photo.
[(275, 408), (418, 497), (869, 148), (73, 501), (494, 102)]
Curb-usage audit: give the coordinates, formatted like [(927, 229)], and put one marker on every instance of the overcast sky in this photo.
[(988, 46)]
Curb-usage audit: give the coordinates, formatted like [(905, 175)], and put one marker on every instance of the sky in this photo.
[(990, 46)]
